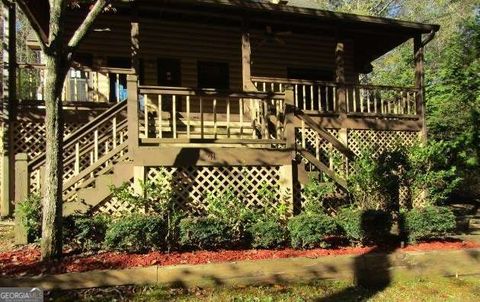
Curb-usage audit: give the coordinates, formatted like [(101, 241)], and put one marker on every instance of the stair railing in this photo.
[(87, 152)]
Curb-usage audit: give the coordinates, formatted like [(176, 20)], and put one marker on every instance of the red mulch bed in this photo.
[(26, 261)]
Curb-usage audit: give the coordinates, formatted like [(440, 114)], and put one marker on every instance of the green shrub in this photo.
[(136, 233), (311, 230), (429, 222), (29, 212), (86, 232), (206, 233), (267, 233), (363, 226)]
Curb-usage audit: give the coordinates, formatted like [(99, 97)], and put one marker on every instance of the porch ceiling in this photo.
[(372, 36)]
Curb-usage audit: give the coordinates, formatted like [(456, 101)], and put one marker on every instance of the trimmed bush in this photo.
[(311, 230), (29, 212), (267, 233), (363, 226), (136, 233), (86, 232), (429, 222), (206, 233)]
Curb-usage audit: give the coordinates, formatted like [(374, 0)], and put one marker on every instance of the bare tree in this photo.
[(58, 53)]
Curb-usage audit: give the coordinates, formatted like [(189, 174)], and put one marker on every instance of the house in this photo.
[(214, 94)]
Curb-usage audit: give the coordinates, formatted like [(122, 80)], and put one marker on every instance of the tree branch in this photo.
[(83, 29), (41, 36)]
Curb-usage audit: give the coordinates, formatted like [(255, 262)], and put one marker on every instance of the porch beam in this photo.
[(210, 156)]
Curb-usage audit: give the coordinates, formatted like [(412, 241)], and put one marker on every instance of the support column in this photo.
[(286, 188), (138, 179), (340, 79), (420, 83), (132, 84), (22, 185), (246, 59)]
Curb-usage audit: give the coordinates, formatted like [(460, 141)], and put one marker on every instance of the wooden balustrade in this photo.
[(361, 100), (369, 100), (90, 149), (182, 115), (82, 84), (309, 95)]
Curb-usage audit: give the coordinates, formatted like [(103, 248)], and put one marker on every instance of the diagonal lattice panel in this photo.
[(191, 185)]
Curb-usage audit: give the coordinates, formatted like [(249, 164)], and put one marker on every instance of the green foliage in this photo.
[(311, 230), (268, 233), (86, 232), (226, 206), (375, 179), (364, 226), (429, 222), (315, 192), (206, 233), (431, 172), (136, 233), (29, 211)]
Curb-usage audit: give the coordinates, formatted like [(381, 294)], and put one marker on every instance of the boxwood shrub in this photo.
[(364, 226), (268, 233), (427, 223), (206, 233), (136, 233), (311, 230), (86, 232)]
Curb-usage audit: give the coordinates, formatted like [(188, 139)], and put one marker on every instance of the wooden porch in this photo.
[(277, 129)]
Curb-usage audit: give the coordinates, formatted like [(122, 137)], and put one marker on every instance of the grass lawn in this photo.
[(431, 289)]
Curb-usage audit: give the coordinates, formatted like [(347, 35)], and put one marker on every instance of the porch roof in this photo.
[(372, 36)]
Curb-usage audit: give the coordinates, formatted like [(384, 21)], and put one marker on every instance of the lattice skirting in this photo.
[(191, 185), (29, 136)]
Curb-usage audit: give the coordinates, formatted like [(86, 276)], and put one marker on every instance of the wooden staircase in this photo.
[(95, 157), (316, 162)]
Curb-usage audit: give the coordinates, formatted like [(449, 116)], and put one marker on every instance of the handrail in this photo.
[(65, 104), (85, 129), (313, 82), (185, 91), (324, 134)]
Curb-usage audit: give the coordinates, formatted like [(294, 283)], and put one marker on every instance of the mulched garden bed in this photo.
[(26, 261)]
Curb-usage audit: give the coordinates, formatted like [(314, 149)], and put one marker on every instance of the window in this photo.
[(78, 85), (213, 75), (169, 72)]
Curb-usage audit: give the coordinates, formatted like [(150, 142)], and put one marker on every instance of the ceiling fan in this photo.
[(271, 36)]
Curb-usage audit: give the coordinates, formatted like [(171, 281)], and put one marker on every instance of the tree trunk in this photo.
[(53, 185)]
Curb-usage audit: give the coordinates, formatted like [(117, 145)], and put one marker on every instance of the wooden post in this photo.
[(246, 59), (22, 185), (286, 188), (289, 118), (5, 198), (340, 79), (132, 112), (419, 83), (138, 179)]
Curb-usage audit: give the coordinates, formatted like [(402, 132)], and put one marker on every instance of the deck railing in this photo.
[(309, 95), (381, 100), (82, 84), (176, 115), (360, 100)]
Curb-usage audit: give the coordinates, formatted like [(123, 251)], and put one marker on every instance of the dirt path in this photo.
[(7, 237)]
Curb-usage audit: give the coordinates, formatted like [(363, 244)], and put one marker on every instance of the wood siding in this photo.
[(203, 42)]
